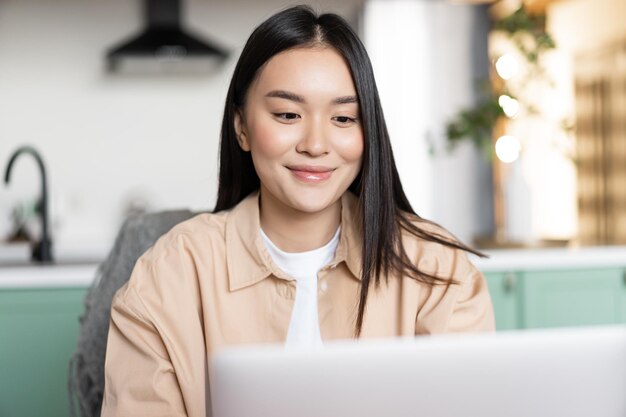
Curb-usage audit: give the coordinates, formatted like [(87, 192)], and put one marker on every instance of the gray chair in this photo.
[(86, 367)]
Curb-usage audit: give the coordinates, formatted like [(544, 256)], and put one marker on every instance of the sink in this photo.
[(77, 253), (71, 269), (14, 253)]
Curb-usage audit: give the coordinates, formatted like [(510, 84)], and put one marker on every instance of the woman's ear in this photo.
[(240, 131)]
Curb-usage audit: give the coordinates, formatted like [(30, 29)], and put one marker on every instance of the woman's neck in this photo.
[(296, 231)]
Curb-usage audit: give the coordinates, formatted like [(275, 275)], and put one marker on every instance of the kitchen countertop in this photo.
[(73, 267), (552, 258), (48, 276), (81, 272)]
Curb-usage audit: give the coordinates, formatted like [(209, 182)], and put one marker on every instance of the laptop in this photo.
[(575, 372)]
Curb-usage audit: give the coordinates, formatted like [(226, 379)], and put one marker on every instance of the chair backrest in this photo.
[(86, 368)]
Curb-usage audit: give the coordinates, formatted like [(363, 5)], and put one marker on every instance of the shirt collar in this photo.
[(247, 258)]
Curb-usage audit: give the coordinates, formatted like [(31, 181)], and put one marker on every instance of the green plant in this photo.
[(520, 25), (476, 123)]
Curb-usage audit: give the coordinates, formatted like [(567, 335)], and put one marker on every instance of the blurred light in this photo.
[(509, 105), (508, 148), (507, 66)]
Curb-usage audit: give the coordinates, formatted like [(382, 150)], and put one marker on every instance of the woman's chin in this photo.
[(312, 203), (302, 199), (310, 208)]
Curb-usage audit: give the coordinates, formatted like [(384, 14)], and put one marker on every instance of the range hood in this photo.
[(163, 38)]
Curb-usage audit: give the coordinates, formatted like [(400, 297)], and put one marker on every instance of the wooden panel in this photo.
[(601, 144)]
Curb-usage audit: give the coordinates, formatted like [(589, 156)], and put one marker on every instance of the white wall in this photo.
[(110, 139), (427, 57)]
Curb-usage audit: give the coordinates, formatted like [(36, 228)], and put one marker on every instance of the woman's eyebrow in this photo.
[(287, 95), (345, 100)]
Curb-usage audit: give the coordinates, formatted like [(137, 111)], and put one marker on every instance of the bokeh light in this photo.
[(508, 148), (509, 105), (507, 66)]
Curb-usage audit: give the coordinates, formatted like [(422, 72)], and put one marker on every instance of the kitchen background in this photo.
[(145, 137), (508, 127), (116, 141)]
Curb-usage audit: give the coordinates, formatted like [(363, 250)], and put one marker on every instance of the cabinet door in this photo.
[(573, 298), (623, 299), (503, 288), (38, 333)]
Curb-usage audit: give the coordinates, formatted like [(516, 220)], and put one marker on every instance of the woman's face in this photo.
[(301, 124)]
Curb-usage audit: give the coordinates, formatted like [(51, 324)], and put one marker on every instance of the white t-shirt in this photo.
[(304, 327)]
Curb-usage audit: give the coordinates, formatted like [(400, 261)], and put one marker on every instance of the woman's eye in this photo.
[(345, 119), (287, 116)]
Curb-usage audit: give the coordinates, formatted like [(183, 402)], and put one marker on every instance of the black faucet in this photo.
[(42, 251)]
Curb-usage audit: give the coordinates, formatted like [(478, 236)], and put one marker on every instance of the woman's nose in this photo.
[(314, 141)]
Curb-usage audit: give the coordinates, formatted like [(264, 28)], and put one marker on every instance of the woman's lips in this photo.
[(311, 173)]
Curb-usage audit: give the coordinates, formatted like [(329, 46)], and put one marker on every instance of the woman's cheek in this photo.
[(350, 146), (272, 138)]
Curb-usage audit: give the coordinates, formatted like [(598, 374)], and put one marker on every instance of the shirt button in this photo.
[(323, 286)]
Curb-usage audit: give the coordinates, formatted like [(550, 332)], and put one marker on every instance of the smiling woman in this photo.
[(310, 217), (300, 124)]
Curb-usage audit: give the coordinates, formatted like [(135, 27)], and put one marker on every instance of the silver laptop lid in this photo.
[(541, 373)]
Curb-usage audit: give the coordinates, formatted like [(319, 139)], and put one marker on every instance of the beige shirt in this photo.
[(210, 283)]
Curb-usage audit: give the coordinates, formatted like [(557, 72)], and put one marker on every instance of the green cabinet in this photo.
[(573, 298), (558, 298), (503, 287), (38, 333)]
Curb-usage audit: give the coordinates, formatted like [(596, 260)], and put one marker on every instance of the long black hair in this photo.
[(384, 209)]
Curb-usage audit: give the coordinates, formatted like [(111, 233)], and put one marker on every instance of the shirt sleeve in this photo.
[(140, 379), (473, 309), (155, 361)]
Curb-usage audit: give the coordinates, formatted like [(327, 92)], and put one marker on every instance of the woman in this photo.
[(312, 237)]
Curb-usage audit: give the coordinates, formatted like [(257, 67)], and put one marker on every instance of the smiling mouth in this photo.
[(311, 174)]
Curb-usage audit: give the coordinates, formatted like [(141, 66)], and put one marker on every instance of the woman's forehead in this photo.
[(312, 73)]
